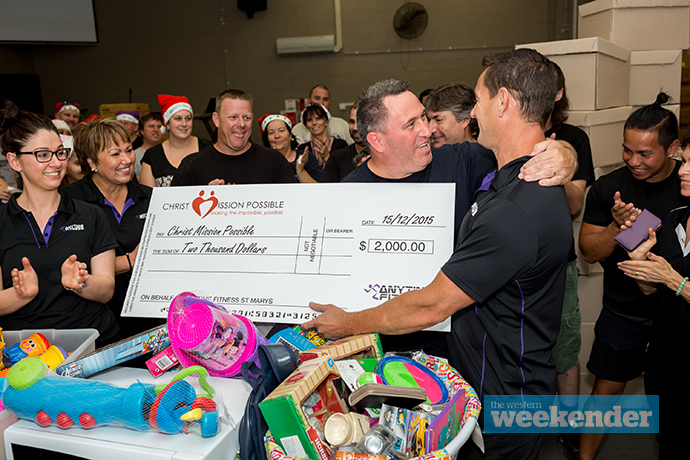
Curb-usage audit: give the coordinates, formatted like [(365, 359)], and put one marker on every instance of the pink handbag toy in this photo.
[(205, 334)]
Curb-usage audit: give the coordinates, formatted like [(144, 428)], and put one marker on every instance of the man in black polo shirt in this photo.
[(510, 259)]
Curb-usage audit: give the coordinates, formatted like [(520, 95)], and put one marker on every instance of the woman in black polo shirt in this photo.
[(106, 156), (56, 255)]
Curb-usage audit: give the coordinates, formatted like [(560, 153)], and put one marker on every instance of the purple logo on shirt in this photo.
[(72, 228)]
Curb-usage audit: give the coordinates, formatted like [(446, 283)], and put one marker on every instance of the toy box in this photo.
[(152, 340), (365, 346), (446, 425), (409, 428), (284, 410), (77, 342), (291, 338)]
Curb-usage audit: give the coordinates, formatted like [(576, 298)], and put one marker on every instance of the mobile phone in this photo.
[(633, 236)]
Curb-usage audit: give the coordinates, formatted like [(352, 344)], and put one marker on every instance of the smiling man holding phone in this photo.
[(649, 180)]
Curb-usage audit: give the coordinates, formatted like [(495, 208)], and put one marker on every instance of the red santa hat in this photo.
[(66, 105), (266, 119), (92, 117), (173, 104)]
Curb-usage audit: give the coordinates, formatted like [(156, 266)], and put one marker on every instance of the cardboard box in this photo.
[(675, 108), (110, 110), (364, 346), (597, 72), (605, 131), (283, 412), (637, 24), (652, 72), (104, 358)]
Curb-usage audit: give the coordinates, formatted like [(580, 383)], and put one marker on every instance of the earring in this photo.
[(94, 170)]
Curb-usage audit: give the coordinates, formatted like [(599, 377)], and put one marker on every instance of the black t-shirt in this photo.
[(337, 144), (127, 229), (672, 320), (621, 294), (258, 165), (511, 258), (163, 172), (312, 167), (339, 164), (464, 164), (76, 228), (585, 168)]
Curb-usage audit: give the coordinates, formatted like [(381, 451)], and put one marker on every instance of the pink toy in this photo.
[(205, 334)]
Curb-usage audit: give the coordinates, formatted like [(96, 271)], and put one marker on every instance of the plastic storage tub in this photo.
[(77, 342)]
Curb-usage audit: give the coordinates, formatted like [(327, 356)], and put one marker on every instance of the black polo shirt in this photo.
[(75, 228), (511, 258), (127, 228)]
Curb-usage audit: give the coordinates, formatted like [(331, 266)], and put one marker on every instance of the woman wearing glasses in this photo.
[(57, 255), (105, 154)]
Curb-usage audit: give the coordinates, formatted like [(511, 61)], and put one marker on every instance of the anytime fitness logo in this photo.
[(209, 204), (73, 228), (387, 291)]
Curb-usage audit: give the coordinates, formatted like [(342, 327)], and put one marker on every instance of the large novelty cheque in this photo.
[(266, 251)]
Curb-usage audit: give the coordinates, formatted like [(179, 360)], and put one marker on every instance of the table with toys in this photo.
[(301, 396)]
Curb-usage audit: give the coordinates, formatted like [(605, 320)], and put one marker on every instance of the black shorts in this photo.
[(620, 343)]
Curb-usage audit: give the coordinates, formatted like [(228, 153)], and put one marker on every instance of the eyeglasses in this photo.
[(45, 155)]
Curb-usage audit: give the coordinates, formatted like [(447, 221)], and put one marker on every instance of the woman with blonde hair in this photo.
[(160, 162)]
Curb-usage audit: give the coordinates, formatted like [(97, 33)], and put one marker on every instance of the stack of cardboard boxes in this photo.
[(628, 51)]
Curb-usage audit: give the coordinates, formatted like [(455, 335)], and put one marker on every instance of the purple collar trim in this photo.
[(128, 204), (46, 231), (486, 182)]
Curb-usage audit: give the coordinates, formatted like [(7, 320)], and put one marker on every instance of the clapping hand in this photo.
[(25, 281), (74, 273), (623, 214)]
